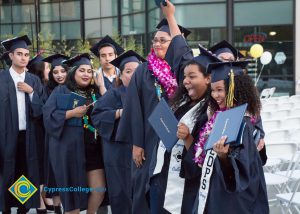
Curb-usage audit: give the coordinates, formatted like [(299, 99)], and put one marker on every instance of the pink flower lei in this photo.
[(162, 72), (203, 135)]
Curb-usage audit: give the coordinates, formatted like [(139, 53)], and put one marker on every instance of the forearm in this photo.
[(174, 29), (188, 141)]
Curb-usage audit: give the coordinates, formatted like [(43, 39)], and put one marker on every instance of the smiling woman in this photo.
[(74, 141)]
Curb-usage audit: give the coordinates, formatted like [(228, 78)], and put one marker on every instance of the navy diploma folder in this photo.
[(164, 123), (229, 123), (68, 102)]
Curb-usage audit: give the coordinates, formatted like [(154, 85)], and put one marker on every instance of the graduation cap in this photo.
[(56, 59), (82, 59), (205, 57), (164, 26), (224, 47), (5, 58), (17, 42), (224, 71), (129, 56), (36, 59), (106, 41)]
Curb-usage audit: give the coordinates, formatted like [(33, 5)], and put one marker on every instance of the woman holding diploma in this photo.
[(232, 179), (74, 144)]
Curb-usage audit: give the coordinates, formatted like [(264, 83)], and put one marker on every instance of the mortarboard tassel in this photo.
[(230, 96)]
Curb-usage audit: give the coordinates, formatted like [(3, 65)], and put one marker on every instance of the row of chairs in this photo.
[(282, 175), (281, 124)]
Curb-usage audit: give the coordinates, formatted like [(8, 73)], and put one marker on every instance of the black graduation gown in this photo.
[(263, 152), (242, 188), (116, 155), (66, 152), (9, 130), (134, 126), (108, 84)]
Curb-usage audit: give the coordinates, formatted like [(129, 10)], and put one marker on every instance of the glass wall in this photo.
[(268, 22), (256, 22), (100, 18)]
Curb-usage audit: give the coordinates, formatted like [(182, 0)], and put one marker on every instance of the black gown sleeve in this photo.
[(132, 128), (54, 119), (103, 115)]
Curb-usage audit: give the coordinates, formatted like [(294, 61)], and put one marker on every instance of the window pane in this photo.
[(263, 13), (91, 9), (133, 24), (24, 29), (196, 1), (131, 6), (70, 10), (154, 19), (92, 28), (49, 12), (108, 8), (70, 30), (52, 28), (108, 26), (6, 14), (274, 39), (203, 15), (5, 31), (23, 13)]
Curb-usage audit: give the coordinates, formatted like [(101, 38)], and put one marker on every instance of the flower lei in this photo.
[(203, 135), (162, 72)]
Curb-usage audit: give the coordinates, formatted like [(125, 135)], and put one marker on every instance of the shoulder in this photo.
[(61, 89)]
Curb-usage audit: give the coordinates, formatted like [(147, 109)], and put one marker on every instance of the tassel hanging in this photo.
[(230, 96)]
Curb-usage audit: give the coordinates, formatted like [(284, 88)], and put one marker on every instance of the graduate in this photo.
[(20, 94), (58, 72), (117, 155), (106, 50), (227, 53), (146, 87), (177, 194), (40, 68), (74, 143), (232, 181), (57, 76)]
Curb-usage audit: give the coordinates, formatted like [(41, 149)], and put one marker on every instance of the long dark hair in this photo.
[(181, 94), (244, 92), (51, 84), (71, 83), (38, 69)]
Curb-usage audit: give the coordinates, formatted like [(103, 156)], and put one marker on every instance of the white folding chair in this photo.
[(290, 123), (280, 114), (290, 201), (285, 106), (272, 91), (295, 98), (265, 93), (276, 183), (295, 112), (270, 125), (270, 107), (276, 136)]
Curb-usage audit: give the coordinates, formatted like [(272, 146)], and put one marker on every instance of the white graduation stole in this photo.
[(207, 171), (175, 184)]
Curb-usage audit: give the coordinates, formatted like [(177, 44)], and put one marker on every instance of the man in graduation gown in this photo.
[(141, 100), (20, 94), (107, 50)]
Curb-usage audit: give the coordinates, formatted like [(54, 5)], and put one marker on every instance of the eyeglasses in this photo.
[(161, 41)]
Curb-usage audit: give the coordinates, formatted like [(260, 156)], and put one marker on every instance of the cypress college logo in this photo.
[(22, 189)]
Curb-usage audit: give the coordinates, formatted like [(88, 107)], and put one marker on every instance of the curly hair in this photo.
[(244, 92)]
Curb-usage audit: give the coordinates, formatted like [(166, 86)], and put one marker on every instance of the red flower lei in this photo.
[(162, 72)]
